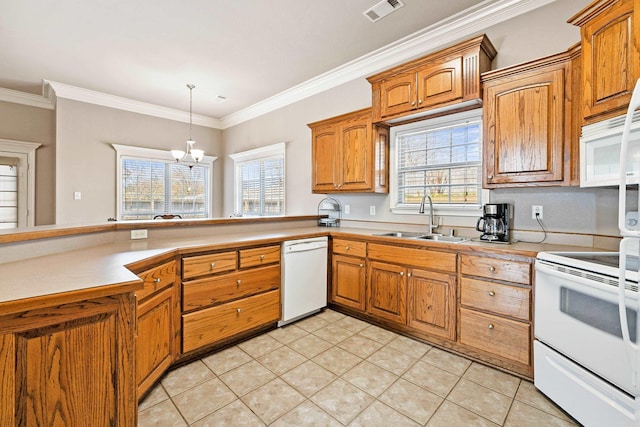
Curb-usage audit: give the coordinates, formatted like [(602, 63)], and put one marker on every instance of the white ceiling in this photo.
[(244, 50)]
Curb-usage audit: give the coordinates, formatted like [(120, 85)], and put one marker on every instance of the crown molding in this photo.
[(75, 93), (24, 98), (420, 43)]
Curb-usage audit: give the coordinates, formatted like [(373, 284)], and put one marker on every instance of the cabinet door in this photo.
[(440, 83), (398, 94), (155, 341), (348, 281), (324, 158), (355, 157), (524, 128), (610, 59), (432, 303), (387, 291), (71, 365)]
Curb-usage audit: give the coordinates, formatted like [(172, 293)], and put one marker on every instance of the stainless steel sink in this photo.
[(405, 234), (439, 238)]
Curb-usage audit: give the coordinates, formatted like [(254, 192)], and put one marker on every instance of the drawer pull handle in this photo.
[(239, 282), (491, 293), (156, 280), (490, 325), (492, 269), (346, 248), (213, 264), (238, 310), (261, 257)]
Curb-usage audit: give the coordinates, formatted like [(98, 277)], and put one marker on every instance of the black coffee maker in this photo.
[(494, 224)]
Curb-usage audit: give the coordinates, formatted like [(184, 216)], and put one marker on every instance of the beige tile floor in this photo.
[(334, 370)]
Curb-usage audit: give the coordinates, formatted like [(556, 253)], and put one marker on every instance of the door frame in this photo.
[(22, 150)]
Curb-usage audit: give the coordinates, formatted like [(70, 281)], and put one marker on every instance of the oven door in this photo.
[(576, 313)]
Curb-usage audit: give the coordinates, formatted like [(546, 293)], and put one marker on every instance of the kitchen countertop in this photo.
[(104, 265)]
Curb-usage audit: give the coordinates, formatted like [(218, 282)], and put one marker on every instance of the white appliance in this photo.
[(304, 278), (586, 356)]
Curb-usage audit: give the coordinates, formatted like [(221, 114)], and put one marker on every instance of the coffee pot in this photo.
[(494, 224)]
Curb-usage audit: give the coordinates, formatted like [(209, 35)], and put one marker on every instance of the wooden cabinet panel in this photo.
[(501, 299), (194, 266), (524, 125), (440, 83), (69, 364), (348, 281), (349, 247), (324, 145), (155, 341), (443, 261), (387, 285), (259, 256), (216, 323), (350, 154), (214, 290), (398, 94), (432, 303), (156, 279), (609, 34), (503, 337), (496, 268)]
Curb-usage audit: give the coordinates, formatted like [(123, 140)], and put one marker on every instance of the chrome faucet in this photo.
[(432, 226)]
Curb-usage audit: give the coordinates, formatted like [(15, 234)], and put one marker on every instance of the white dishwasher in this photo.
[(304, 278)]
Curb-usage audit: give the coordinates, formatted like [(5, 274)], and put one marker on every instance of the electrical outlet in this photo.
[(138, 234), (372, 210), (347, 209), (536, 212)]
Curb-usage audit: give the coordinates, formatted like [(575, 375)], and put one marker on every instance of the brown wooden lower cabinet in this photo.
[(432, 303), (69, 364), (213, 324), (387, 286), (348, 281)]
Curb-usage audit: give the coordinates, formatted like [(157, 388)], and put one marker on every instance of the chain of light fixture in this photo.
[(196, 154)]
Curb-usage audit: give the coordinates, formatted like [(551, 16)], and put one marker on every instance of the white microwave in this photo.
[(600, 152)]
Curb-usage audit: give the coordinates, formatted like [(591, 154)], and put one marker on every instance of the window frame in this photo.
[(262, 153), (441, 209), (152, 154)]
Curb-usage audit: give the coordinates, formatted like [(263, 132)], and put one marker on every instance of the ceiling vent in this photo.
[(382, 9)]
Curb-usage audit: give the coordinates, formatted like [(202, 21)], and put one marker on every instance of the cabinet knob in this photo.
[(156, 280), (490, 325), (346, 248), (489, 176), (213, 264), (492, 269), (239, 282), (261, 257), (413, 103), (409, 275), (402, 273), (238, 310), (491, 293), (361, 265), (419, 101)]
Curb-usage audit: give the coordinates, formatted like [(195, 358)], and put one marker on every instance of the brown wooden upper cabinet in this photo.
[(610, 47), (350, 154), (449, 78), (528, 137)]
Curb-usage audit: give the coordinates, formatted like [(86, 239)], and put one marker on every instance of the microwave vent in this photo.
[(382, 9), (608, 127)]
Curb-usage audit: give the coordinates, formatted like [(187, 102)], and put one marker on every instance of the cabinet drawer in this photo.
[(216, 323), (349, 247), (495, 268), (502, 337), (219, 289), (425, 258), (500, 299), (195, 266), (259, 256), (156, 278)]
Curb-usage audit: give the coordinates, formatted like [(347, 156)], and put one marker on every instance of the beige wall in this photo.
[(32, 124), (86, 161)]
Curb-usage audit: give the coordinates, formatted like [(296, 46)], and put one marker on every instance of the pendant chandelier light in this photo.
[(196, 155)]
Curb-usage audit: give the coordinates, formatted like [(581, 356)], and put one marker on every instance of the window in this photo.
[(259, 181), (151, 183), (442, 158), (8, 192), (17, 183)]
